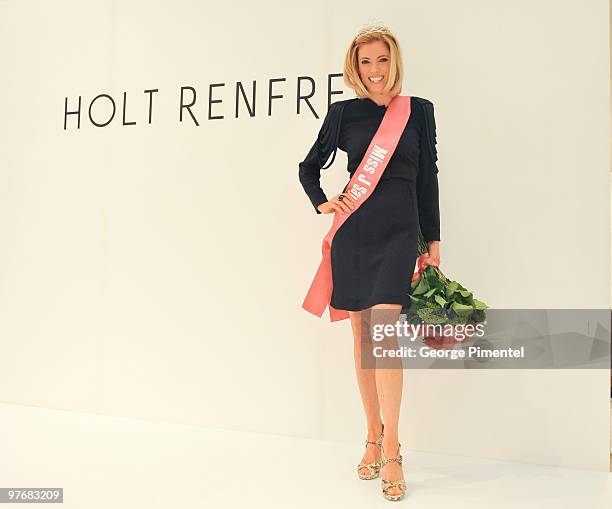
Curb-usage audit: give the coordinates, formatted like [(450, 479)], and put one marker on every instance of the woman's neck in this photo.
[(381, 100)]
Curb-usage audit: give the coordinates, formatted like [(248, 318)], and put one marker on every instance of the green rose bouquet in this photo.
[(435, 299)]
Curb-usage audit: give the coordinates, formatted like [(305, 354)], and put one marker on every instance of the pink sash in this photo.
[(360, 187)]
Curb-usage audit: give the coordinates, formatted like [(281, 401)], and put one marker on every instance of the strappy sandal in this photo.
[(387, 485), (373, 468)]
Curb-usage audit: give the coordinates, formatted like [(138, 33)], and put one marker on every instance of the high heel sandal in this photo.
[(373, 468), (387, 485)]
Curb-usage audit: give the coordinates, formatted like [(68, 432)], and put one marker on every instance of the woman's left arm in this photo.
[(427, 185)]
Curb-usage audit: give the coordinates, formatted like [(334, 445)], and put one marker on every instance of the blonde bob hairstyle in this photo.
[(351, 63)]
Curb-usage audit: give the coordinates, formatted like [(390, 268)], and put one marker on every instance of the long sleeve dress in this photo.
[(374, 252)]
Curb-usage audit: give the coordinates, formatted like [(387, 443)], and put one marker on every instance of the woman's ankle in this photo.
[(374, 430), (391, 446)]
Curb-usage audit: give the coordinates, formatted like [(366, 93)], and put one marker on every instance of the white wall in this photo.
[(157, 271)]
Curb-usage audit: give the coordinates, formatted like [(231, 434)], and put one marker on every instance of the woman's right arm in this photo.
[(325, 145)]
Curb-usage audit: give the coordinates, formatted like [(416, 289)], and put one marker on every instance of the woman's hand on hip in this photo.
[(344, 205)]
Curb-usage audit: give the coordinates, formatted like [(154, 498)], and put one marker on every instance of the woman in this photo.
[(374, 252)]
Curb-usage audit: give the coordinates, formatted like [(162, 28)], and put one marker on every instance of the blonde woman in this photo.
[(373, 254)]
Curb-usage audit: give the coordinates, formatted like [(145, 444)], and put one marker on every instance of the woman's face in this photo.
[(373, 59)]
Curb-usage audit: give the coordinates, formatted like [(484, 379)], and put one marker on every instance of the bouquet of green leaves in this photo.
[(437, 300)]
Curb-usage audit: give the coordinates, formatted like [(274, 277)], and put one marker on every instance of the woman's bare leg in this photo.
[(366, 379), (389, 383)]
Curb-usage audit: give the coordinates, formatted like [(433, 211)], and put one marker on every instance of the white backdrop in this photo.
[(157, 270)]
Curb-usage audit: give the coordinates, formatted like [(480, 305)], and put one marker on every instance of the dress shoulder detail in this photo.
[(327, 140), (429, 125)]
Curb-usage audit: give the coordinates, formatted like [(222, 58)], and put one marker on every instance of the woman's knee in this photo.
[(387, 306), (355, 317)]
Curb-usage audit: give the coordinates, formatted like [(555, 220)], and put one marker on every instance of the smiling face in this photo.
[(374, 64)]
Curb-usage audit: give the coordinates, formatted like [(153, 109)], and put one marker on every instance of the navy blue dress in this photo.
[(374, 252)]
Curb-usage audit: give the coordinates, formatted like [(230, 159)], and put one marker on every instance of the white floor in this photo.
[(108, 462)]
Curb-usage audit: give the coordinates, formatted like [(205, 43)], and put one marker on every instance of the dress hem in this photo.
[(404, 302)]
